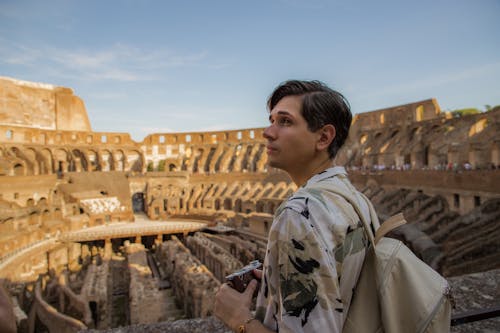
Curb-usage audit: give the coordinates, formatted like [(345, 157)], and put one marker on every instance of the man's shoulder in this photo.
[(319, 197)]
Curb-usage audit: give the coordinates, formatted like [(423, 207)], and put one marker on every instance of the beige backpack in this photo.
[(396, 291)]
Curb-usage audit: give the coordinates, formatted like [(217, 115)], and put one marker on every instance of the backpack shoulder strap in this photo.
[(350, 195), (390, 224)]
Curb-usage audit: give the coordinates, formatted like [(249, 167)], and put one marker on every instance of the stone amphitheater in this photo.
[(99, 232)]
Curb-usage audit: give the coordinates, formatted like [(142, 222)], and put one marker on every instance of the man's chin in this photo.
[(274, 164)]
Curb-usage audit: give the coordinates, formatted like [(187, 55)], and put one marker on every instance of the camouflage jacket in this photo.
[(315, 252)]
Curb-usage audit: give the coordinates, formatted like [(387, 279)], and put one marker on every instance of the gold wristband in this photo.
[(242, 328)]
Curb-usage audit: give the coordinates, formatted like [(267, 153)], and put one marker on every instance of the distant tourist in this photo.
[(309, 271)]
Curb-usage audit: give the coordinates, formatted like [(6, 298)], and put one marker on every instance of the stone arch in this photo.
[(228, 204), (47, 164), (93, 160), (363, 138), (20, 156), (234, 156), (254, 164), (19, 169), (80, 160), (495, 155), (45, 215), (138, 202), (197, 156), (259, 207), (279, 189), (426, 155), (106, 159), (33, 218), (32, 154), (57, 213), (478, 127), (208, 160), (414, 131), (269, 207), (120, 162), (245, 159), (136, 161), (61, 160), (237, 205)]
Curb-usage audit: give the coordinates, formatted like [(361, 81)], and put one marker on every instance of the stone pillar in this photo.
[(138, 239), (108, 249), (118, 164), (78, 164)]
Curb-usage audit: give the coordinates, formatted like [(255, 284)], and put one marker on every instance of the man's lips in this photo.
[(271, 149)]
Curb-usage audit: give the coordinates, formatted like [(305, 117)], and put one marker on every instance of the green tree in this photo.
[(161, 165), (465, 112), (150, 166)]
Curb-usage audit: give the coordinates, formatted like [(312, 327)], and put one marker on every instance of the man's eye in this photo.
[(284, 121)]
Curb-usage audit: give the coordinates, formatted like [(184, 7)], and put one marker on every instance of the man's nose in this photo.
[(269, 133)]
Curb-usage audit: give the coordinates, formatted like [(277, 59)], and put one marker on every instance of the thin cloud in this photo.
[(435, 81), (118, 62), (106, 95), (151, 130)]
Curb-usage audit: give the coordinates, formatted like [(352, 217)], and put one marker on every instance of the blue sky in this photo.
[(149, 66)]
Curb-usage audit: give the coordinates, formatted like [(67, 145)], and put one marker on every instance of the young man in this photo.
[(316, 244)]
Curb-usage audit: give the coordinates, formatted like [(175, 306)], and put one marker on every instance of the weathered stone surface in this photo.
[(40, 105), (58, 180), (471, 292), (475, 292), (198, 325)]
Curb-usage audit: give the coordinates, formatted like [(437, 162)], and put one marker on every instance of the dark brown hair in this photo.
[(321, 105)]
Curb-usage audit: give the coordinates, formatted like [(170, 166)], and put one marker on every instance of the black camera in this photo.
[(240, 279)]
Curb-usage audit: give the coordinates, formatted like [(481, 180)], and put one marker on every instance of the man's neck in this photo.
[(300, 178)]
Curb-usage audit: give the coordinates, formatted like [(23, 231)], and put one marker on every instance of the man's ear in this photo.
[(326, 135)]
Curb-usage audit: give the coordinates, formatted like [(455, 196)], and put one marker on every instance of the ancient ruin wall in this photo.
[(400, 115), (222, 176), (193, 284), (42, 106), (145, 301)]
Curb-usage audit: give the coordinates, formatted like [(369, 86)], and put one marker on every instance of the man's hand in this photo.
[(257, 273), (232, 307)]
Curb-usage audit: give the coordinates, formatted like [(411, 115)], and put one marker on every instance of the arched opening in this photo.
[(138, 202), (18, 169), (237, 206), (227, 204), (426, 155), (136, 163)]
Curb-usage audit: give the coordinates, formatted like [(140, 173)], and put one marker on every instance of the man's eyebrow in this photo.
[(281, 112)]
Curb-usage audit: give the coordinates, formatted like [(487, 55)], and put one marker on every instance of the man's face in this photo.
[(290, 144)]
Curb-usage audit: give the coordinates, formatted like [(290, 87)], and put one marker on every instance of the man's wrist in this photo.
[(242, 328)]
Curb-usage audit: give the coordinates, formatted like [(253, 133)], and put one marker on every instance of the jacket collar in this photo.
[(325, 174)]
